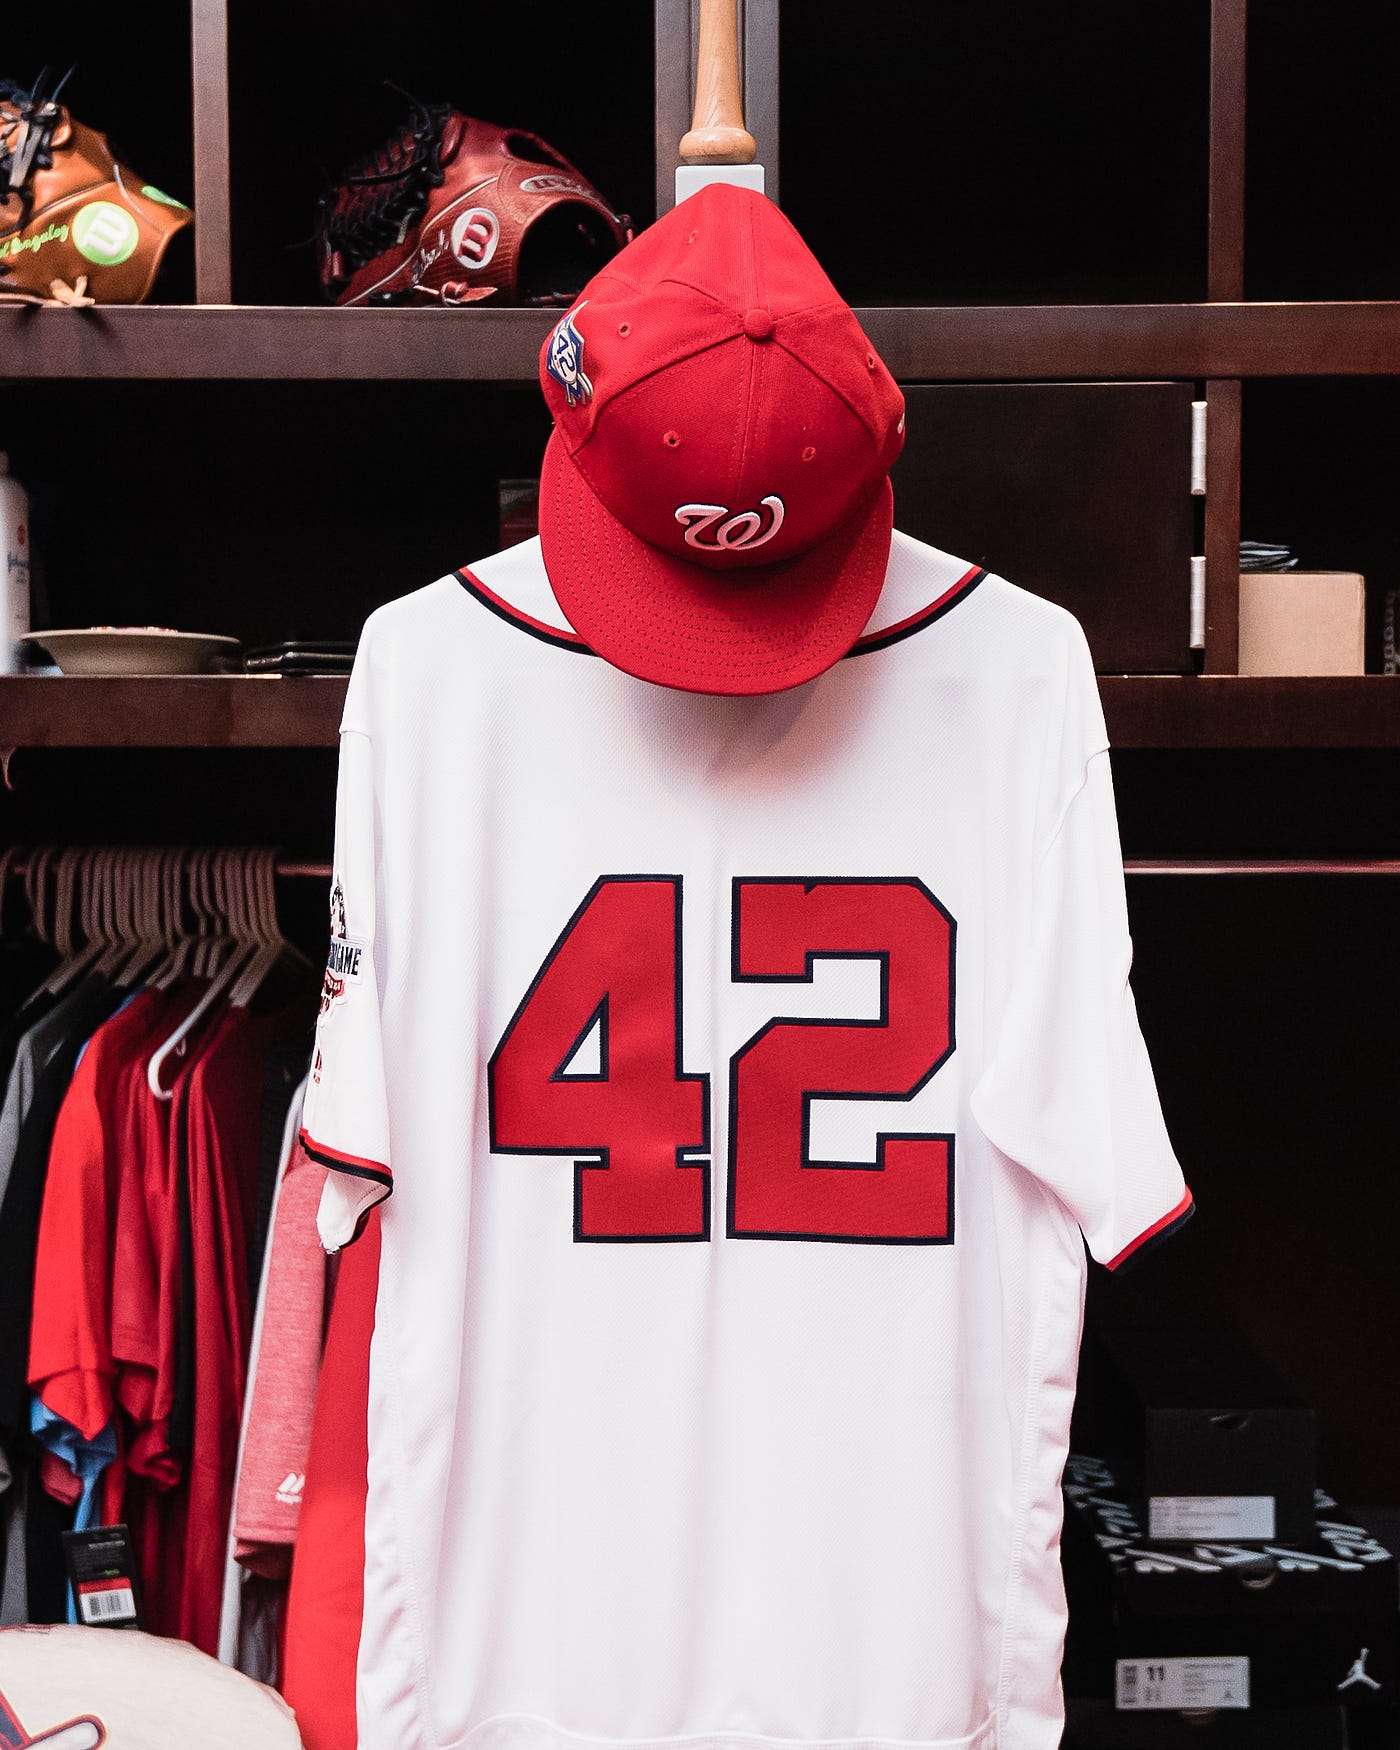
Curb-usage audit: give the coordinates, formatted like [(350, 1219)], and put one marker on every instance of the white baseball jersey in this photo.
[(746, 1072)]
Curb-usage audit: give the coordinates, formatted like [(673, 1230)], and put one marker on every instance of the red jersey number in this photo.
[(607, 999), (776, 1189), (590, 1066)]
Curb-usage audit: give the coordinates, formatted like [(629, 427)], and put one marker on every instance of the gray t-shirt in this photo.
[(33, 1051), (14, 1591)]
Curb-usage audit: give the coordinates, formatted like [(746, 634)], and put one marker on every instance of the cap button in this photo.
[(758, 325)]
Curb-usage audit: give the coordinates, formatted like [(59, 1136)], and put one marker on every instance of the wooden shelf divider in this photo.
[(1143, 711), (213, 241), (1224, 444), (1225, 221)]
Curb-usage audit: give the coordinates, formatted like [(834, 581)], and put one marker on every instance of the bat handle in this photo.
[(717, 132)]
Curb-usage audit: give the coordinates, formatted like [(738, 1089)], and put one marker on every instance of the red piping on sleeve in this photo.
[(1172, 1218), (358, 1165)]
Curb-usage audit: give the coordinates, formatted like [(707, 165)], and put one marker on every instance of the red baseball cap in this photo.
[(715, 505)]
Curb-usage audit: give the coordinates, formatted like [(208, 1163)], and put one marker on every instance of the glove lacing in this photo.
[(383, 196)]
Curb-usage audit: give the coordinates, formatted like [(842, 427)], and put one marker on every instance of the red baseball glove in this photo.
[(452, 210)]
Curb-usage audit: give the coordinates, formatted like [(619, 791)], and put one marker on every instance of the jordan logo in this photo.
[(85, 1733), (1358, 1673)]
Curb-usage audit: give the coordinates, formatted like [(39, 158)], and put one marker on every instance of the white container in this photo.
[(14, 579)]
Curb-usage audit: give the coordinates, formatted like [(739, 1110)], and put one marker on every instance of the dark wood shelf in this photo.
[(1143, 711), (207, 342), (1246, 711), (973, 343), (170, 711)]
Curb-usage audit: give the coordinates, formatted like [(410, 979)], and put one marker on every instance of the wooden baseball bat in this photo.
[(717, 132)]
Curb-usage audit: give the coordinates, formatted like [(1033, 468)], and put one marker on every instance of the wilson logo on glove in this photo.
[(475, 235), (714, 528)]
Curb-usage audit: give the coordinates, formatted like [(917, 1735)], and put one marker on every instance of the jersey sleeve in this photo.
[(1069, 1092), (345, 1124)]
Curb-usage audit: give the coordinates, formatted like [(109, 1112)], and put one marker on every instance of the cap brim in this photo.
[(760, 629)]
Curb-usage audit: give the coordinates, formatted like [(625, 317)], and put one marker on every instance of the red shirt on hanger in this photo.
[(146, 1271), (70, 1348), (222, 1113)]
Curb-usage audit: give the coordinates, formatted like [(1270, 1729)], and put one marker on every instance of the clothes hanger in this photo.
[(139, 869), (242, 946), (169, 879), (262, 897), (108, 912), (200, 898), (216, 937), (35, 869), (69, 894), (35, 879)]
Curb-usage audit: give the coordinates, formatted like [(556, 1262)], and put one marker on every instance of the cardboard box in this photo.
[(1302, 622), (1208, 1440), (1224, 1627)]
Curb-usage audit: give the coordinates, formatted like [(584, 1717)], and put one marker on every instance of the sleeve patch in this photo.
[(346, 959)]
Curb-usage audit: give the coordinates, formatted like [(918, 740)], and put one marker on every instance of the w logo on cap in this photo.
[(714, 528), (565, 360)]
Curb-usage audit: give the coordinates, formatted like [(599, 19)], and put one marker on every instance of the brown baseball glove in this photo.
[(76, 227), (453, 210)]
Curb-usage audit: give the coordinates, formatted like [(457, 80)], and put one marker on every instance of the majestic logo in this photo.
[(475, 234), (346, 958), (714, 528), (565, 359), (83, 1733), (291, 1489)]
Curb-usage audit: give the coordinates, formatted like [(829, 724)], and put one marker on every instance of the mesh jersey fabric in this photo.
[(746, 1072)]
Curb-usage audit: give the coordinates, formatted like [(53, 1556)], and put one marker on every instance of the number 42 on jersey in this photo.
[(637, 1124)]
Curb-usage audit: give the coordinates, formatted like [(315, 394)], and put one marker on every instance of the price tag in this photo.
[(106, 1602), (1145, 1684), (103, 1577)]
